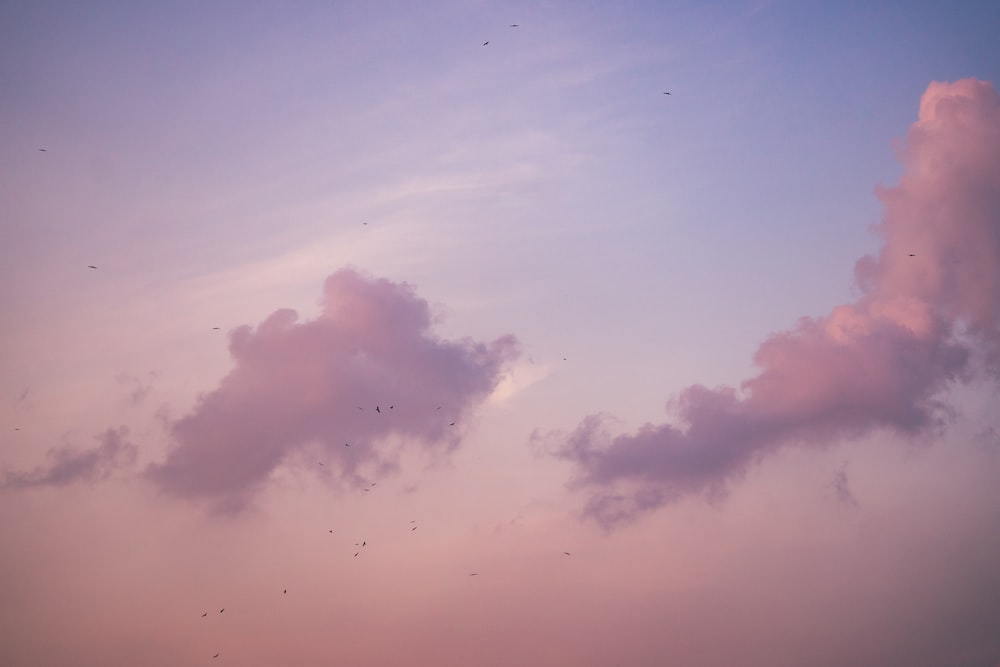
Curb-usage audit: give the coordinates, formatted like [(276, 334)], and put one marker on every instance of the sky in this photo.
[(439, 334)]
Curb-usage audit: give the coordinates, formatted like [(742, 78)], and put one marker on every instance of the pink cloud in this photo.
[(315, 386), (928, 301), (69, 465)]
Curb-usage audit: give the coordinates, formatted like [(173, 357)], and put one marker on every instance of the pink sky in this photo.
[(406, 350)]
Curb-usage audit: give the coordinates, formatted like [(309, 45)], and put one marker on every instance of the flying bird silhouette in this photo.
[(377, 410), (204, 615), (215, 656), (912, 255), (486, 42), (91, 266), (43, 150), (285, 591), (567, 553), (666, 93), (215, 328), (513, 25), (222, 610)]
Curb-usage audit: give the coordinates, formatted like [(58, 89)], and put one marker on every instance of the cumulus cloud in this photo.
[(69, 465), (314, 386), (927, 301)]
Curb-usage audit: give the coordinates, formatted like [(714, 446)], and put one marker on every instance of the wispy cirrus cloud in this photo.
[(928, 301), (367, 371), (68, 465)]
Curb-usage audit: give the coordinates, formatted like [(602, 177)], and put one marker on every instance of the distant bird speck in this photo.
[(356, 555), (321, 463), (91, 266), (285, 591), (912, 255), (204, 615), (514, 25), (413, 529), (567, 553), (377, 410), (43, 150), (347, 444), (451, 424), (474, 574), (216, 655), (485, 43), (222, 610), (666, 93), (215, 328)]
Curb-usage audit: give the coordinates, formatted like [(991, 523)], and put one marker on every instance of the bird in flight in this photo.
[(912, 255), (330, 531), (91, 266), (285, 592), (321, 463), (486, 42), (43, 150), (204, 615), (451, 424), (474, 574), (413, 529), (666, 93), (514, 25), (567, 553), (222, 610), (377, 410), (215, 656), (347, 444)]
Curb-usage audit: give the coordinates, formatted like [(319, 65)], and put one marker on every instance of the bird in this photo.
[(91, 266), (514, 25), (486, 42), (216, 655), (285, 592), (474, 574), (567, 553), (43, 150), (363, 543), (451, 424), (321, 463), (347, 444), (366, 489), (215, 328), (912, 255), (330, 531), (222, 610), (390, 407), (377, 410), (356, 555), (413, 529), (666, 93), (204, 615), (374, 483)]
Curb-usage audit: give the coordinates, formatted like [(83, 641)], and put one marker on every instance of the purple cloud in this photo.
[(928, 301), (368, 373)]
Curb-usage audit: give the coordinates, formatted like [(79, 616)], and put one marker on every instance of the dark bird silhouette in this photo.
[(366, 489), (216, 655), (356, 555), (321, 463), (567, 553), (204, 615), (451, 424), (666, 93), (347, 444), (485, 43), (222, 610), (474, 574), (374, 483), (329, 531), (513, 25), (377, 410), (390, 407), (215, 328), (91, 266), (43, 150), (413, 529), (285, 591), (438, 407), (363, 543), (912, 255)]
